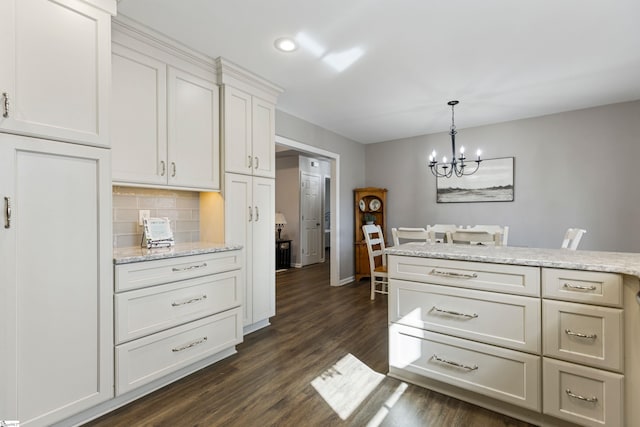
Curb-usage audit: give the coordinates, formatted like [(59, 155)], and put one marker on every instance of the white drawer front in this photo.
[(149, 273), (145, 311), (146, 359), (582, 286), (585, 396), (584, 333), (496, 372), (511, 279), (477, 315)]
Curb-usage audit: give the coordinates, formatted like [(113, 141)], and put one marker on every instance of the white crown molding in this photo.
[(109, 6), (234, 75)]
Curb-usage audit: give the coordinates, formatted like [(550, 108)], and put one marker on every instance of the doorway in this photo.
[(334, 206)]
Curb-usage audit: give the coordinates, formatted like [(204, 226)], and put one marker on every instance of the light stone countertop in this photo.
[(138, 254), (611, 262)]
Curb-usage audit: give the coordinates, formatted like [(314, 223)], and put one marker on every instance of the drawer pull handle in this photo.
[(190, 301), (191, 344), (455, 313), (456, 364), (435, 272), (577, 396), (579, 287), (7, 212), (579, 335), (191, 267)]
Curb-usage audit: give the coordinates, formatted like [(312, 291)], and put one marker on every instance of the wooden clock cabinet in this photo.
[(369, 201)]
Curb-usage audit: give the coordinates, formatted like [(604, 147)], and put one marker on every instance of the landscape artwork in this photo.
[(493, 182)]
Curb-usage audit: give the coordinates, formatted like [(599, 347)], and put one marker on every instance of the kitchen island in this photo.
[(549, 336)]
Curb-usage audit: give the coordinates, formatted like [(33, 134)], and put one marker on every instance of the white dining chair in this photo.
[(572, 238), (405, 234), (438, 232), (375, 246), (493, 229)]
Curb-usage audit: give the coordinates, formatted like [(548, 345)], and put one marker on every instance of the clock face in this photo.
[(362, 205), (375, 204)]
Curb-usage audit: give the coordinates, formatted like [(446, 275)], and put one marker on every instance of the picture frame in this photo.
[(493, 182), (157, 233)]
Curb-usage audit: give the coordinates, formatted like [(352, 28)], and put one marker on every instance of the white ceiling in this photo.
[(503, 59)]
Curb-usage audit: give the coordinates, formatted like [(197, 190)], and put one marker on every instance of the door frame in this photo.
[(334, 220)]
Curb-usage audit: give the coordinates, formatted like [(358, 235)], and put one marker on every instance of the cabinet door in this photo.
[(238, 228), (263, 138), (55, 68), (56, 321), (193, 125), (264, 276), (138, 118), (237, 131)]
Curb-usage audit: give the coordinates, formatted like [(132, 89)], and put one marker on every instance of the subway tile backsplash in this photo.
[(181, 207)]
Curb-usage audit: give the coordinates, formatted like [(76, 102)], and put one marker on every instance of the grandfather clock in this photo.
[(370, 205)]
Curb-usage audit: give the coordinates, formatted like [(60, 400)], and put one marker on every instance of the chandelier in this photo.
[(457, 166)]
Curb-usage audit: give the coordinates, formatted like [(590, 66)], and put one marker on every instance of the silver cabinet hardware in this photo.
[(173, 168), (5, 103), (257, 214), (7, 212), (191, 267), (191, 344), (257, 162), (435, 272), (456, 364), (250, 163), (250, 214), (579, 287), (164, 167), (579, 335), (577, 396), (189, 301), (455, 313)]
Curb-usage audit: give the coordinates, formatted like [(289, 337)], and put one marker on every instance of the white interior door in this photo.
[(310, 218)]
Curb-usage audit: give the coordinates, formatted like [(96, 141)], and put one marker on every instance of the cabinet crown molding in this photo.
[(109, 6), (239, 77)]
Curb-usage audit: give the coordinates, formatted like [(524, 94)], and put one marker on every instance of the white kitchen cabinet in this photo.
[(56, 316), (249, 221), (54, 73), (165, 117), (249, 134)]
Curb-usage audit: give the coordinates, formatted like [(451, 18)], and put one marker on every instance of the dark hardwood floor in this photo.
[(268, 383)]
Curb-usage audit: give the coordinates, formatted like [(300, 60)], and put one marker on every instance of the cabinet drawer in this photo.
[(585, 396), (149, 273), (584, 333), (467, 313), (146, 359), (496, 372), (511, 279), (145, 311), (582, 286)]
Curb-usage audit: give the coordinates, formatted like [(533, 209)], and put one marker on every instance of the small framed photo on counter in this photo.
[(157, 233)]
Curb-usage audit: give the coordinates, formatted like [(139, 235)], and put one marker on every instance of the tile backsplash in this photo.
[(181, 207)]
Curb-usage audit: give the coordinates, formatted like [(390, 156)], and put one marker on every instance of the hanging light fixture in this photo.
[(457, 166)]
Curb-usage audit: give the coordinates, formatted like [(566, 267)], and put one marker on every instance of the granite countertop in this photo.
[(612, 262), (138, 254)]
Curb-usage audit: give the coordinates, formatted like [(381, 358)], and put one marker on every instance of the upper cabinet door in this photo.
[(193, 130), (237, 131), (138, 118), (55, 70), (263, 138)]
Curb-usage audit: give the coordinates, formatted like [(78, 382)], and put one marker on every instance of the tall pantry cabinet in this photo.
[(56, 322), (248, 133)]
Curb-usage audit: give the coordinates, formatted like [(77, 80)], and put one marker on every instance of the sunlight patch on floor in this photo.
[(346, 385), (388, 404)]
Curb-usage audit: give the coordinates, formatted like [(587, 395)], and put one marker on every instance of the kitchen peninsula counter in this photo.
[(609, 262), (139, 254)]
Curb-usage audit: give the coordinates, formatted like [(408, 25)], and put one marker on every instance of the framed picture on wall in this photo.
[(493, 182)]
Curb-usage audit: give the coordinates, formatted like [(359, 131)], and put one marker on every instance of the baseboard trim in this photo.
[(346, 280)]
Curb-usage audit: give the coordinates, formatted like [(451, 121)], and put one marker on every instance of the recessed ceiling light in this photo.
[(285, 44)]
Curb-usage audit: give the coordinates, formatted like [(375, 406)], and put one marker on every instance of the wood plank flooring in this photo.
[(268, 383)]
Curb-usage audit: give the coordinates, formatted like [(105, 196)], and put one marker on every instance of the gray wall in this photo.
[(574, 169), (352, 174)]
